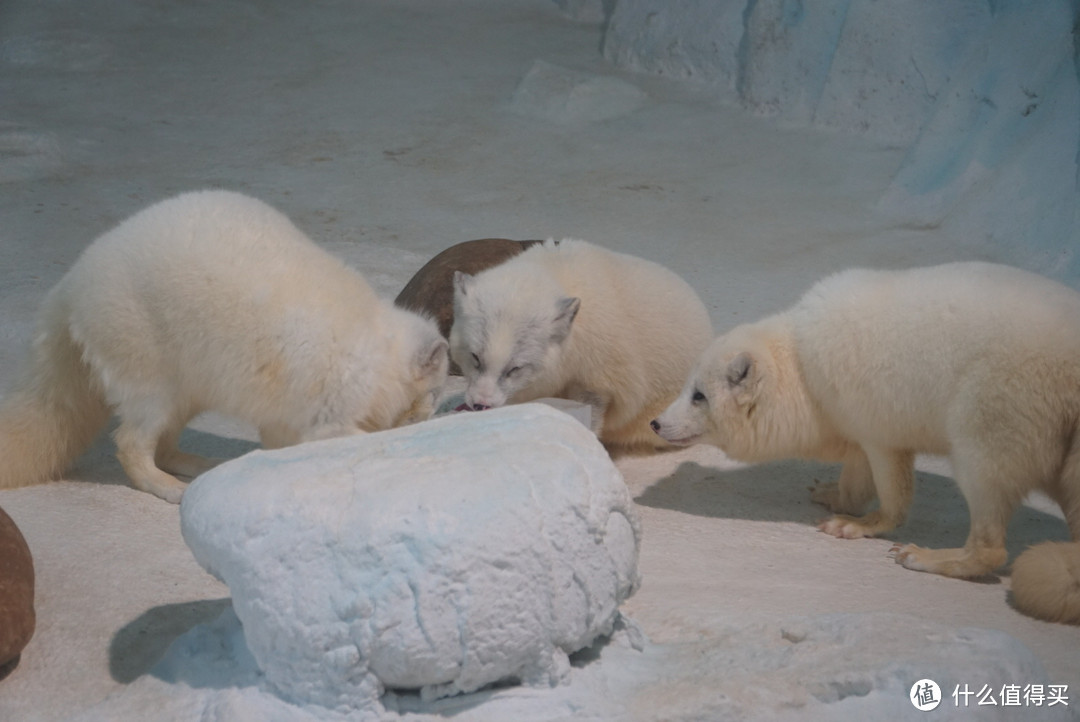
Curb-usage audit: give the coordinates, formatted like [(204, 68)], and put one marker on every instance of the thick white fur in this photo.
[(580, 322), (210, 301), (974, 360)]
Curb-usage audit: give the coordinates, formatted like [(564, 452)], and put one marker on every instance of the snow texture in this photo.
[(810, 669), (441, 557)]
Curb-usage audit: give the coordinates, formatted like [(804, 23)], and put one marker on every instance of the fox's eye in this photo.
[(698, 397), (476, 361), (511, 372)]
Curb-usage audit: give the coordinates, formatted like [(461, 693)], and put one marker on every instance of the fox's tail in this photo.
[(55, 410), (1046, 582)]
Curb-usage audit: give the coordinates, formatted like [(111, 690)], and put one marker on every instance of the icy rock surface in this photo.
[(441, 557), (862, 66), (984, 95), (586, 11)]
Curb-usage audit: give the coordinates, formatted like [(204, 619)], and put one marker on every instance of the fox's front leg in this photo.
[(894, 479), (853, 490)]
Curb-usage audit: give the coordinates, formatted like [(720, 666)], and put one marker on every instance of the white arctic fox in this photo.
[(974, 360), (573, 320), (210, 301)]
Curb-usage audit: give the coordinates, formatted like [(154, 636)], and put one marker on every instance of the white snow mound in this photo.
[(443, 557)]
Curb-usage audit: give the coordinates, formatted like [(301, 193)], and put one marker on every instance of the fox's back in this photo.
[(903, 345), (209, 285)]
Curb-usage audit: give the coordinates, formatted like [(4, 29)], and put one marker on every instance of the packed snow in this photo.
[(752, 147), (801, 669), (440, 557)]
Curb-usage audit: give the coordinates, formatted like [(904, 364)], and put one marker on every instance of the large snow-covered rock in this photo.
[(442, 557)]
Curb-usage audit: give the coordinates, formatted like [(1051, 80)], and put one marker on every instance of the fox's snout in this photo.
[(484, 393)]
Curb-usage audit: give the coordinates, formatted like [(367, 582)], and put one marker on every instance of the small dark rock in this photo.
[(16, 594)]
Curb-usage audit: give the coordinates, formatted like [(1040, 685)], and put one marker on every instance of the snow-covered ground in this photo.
[(390, 129)]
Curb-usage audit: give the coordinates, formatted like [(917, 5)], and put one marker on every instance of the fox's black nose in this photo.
[(655, 425), (479, 407)]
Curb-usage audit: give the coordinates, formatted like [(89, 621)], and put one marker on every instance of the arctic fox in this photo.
[(210, 301), (573, 320), (974, 360)]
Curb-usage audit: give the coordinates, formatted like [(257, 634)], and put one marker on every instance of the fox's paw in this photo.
[(164, 487), (173, 496), (843, 526), (908, 556), (962, 563)]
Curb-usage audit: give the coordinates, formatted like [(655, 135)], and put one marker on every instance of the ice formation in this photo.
[(440, 557), (984, 95)]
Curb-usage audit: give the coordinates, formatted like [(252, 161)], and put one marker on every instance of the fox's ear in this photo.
[(462, 281), (742, 377), (565, 312), (431, 358), (739, 369)]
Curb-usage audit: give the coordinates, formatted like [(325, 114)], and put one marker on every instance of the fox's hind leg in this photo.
[(143, 424), (993, 489), (170, 458), (1067, 493), (1046, 577)]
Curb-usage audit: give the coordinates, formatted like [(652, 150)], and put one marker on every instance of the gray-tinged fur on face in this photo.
[(576, 321), (506, 338)]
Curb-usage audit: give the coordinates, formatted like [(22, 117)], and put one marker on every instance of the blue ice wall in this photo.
[(983, 94)]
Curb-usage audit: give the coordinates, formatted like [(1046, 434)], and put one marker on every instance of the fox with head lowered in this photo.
[(572, 320), (210, 301)]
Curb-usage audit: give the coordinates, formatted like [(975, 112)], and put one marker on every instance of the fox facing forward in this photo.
[(210, 301), (573, 320), (974, 360)]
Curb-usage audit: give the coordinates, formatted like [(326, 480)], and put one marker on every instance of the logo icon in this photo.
[(925, 695)]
